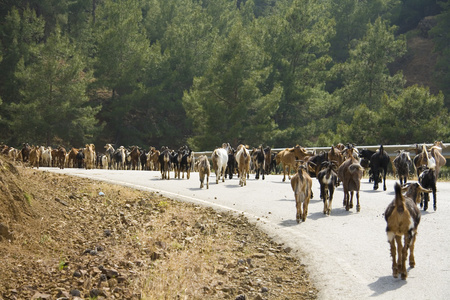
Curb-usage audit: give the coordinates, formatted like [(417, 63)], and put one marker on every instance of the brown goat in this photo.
[(402, 217), (35, 156), (288, 158), (414, 191), (243, 161), (204, 169), (301, 184), (436, 153), (350, 173)]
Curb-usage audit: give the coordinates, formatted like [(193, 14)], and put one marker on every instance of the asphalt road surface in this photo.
[(347, 253)]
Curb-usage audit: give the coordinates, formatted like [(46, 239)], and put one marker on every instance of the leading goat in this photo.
[(402, 217)]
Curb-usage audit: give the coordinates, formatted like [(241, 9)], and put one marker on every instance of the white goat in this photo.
[(219, 160)]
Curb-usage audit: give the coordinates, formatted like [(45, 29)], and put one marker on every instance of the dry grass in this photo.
[(161, 249)]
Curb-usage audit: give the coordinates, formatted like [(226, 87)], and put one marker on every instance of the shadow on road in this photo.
[(385, 284)]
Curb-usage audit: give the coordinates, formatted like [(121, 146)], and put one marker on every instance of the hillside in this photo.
[(418, 64), (61, 238)]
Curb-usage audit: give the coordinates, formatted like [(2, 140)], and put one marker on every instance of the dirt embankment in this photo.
[(68, 238)]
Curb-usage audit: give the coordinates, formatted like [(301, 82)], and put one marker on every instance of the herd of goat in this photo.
[(340, 165)]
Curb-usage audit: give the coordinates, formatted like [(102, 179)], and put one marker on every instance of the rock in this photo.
[(5, 233), (241, 297), (62, 294), (259, 297), (94, 293), (61, 201), (107, 232), (110, 273), (41, 296), (75, 293), (77, 274), (264, 290)]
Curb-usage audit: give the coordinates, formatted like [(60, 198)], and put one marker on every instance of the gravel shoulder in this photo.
[(74, 238)]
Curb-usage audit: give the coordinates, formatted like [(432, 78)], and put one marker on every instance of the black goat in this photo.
[(379, 162), (328, 180), (427, 180), (258, 159), (365, 156)]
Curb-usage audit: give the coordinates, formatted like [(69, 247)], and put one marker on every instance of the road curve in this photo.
[(347, 253)]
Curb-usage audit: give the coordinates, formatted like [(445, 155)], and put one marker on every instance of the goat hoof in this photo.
[(404, 275), (358, 208)]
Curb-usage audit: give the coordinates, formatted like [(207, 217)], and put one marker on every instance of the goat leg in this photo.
[(404, 256), (434, 200), (398, 239), (323, 195), (299, 208), (358, 207), (412, 261), (394, 260)]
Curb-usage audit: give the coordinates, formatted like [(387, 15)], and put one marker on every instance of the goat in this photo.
[(288, 158), (109, 152), (143, 160), (61, 157), (414, 191), (423, 158), (327, 178), (79, 159), (72, 157), (258, 158), (231, 164), (427, 180), (402, 217), (153, 159), (134, 157), (350, 173), (301, 184), (379, 163), (366, 155), (402, 164), (243, 162), (89, 156), (35, 156), (203, 168), (267, 159), (119, 158), (219, 160), (316, 161), (25, 152), (186, 160), (46, 157), (436, 153), (334, 154), (164, 162)]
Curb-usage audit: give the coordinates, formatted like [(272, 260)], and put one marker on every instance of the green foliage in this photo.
[(414, 116), (54, 105), (167, 72), (228, 103), (441, 37), (366, 74)]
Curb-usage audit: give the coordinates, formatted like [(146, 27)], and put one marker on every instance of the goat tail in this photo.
[(399, 199), (355, 167)]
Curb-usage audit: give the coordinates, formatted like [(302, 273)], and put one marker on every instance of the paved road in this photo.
[(347, 252)]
